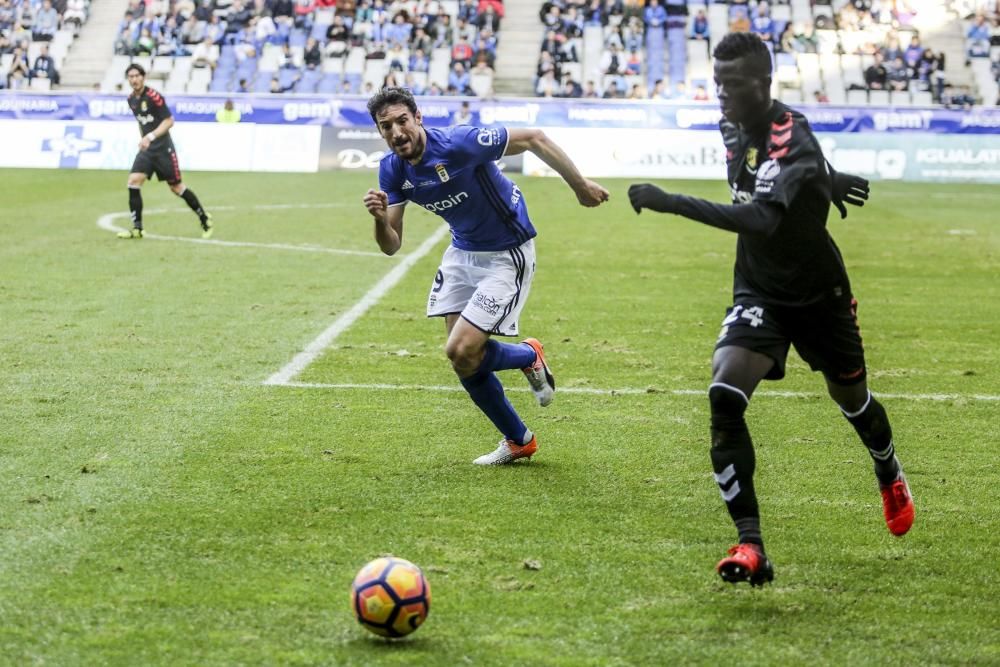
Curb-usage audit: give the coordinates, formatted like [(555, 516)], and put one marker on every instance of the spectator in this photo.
[(958, 98), (19, 73), (397, 57), (820, 97), (46, 23), (786, 42), (461, 53), (420, 40), (145, 45), (891, 50), (434, 89), (762, 24), (699, 26), (590, 90), (700, 94), (876, 76), (459, 78), (75, 14), (659, 91), (638, 92), (278, 89), (205, 54), (571, 89), (489, 19), (807, 40), (547, 85), (411, 82), (243, 86), (463, 116), (399, 30), (595, 14), (419, 62), (312, 56), (633, 66), (482, 67), (912, 55), (45, 66), (654, 16), (977, 39), (612, 92), (337, 37), (612, 61), (228, 113), (899, 75)]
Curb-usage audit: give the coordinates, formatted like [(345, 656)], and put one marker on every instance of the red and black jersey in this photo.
[(779, 162), (150, 109)]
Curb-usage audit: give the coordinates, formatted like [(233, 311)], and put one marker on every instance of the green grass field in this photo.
[(161, 505)]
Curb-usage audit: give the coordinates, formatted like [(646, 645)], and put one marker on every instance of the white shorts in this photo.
[(489, 289)]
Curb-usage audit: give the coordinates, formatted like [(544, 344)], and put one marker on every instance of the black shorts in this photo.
[(159, 161), (825, 334)]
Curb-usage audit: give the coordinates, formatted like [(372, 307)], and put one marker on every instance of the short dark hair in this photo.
[(747, 45), (137, 67), (387, 97)]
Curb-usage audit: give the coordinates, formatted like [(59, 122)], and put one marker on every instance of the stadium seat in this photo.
[(857, 97), (896, 98), (41, 84), (330, 83), (878, 98), (482, 84)]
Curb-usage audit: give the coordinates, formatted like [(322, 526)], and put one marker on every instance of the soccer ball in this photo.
[(390, 597)]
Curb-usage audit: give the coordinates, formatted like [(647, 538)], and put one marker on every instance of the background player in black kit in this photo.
[(156, 153), (790, 287)]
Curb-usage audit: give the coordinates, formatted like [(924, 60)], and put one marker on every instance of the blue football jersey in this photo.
[(458, 179)]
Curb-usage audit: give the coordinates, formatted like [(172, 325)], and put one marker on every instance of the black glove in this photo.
[(647, 195), (848, 188)]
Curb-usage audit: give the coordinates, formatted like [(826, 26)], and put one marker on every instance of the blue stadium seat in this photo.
[(329, 84), (262, 84)]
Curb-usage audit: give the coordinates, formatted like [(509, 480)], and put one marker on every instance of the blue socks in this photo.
[(506, 356), (487, 393)]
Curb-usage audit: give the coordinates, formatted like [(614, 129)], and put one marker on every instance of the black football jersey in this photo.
[(780, 161), (150, 109)]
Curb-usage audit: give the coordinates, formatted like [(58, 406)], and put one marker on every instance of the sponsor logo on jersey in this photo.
[(752, 160), (769, 170), (515, 196), (488, 137), (145, 119), (407, 185), (486, 303), (445, 204), (442, 173)]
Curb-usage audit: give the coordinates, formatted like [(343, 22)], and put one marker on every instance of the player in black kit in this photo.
[(156, 153), (790, 287)]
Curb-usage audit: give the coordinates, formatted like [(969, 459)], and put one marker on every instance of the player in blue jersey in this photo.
[(485, 275)]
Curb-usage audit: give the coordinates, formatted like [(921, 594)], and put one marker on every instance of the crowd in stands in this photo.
[(657, 49), (982, 45), (30, 48), (433, 46)]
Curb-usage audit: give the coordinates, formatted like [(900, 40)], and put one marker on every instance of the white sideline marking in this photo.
[(342, 323), (634, 391), (106, 222)]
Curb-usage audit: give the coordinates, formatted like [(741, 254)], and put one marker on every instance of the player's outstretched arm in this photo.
[(848, 188), (587, 192), (754, 218), (388, 221)]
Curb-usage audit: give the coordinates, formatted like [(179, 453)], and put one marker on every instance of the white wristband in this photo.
[(151, 136)]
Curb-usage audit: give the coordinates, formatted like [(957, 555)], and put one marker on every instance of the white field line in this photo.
[(342, 323), (107, 222), (636, 391)]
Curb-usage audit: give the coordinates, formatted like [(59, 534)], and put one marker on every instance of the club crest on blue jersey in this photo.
[(442, 172), (488, 137)]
